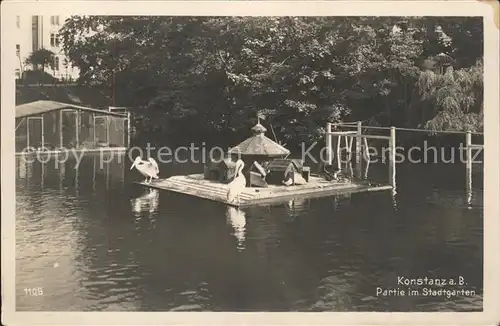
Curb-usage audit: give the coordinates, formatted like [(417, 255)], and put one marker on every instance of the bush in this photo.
[(36, 77)]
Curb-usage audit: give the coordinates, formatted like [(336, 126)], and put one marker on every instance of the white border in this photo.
[(489, 316)]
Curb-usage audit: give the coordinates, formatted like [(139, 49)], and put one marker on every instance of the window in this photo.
[(18, 50), (34, 33), (56, 63), (54, 39), (54, 20), (18, 21)]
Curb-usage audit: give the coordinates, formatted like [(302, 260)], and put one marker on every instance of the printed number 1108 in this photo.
[(33, 292)]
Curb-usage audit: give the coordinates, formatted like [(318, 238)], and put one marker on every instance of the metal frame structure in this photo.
[(27, 113)]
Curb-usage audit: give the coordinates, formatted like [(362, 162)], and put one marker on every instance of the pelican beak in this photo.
[(133, 165)]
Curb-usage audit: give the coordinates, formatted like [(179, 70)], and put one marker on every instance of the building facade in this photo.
[(36, 32)]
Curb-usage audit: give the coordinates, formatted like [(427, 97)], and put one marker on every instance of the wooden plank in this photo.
[(362, 136), (194, 185), (341, 133), (199, 194), (324, 193)]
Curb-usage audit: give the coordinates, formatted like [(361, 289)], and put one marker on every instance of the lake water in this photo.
[(96, 242)]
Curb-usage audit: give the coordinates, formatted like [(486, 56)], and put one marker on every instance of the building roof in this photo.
[(259, 144), (90, 96), (39, 107)]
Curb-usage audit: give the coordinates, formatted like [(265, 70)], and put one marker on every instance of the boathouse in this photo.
[(52, 126)]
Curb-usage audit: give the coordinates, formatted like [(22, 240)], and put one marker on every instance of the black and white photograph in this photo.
[(165, 160)]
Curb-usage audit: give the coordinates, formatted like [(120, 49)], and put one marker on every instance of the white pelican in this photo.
[(148, 168), (238, 184)]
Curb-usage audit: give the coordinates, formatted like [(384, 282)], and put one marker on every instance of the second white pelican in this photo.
[(238, 184), (148, 168)]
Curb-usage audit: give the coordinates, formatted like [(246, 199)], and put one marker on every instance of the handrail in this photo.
[(354, 135), (349, 125)]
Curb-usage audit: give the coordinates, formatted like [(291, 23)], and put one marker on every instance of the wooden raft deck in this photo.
[(195, 185)]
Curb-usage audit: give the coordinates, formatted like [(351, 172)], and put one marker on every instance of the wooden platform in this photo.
[(195, 185)]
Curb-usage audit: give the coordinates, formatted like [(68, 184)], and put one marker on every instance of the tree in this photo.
[(209, 76), (42, 57), (454, 100)]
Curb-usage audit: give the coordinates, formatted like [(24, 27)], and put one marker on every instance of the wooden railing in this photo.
[(391, 139)]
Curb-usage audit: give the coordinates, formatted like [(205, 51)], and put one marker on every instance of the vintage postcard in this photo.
[(250, 162)]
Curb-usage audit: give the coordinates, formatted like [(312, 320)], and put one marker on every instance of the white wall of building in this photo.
[(36, 32)]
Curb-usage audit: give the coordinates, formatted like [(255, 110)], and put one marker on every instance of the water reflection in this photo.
[(148, 202), (92, 172), (119, 247), (340, 200), (21, 169), (62, 173), (394, 198), (237, 219), (469, 187), (297, 207)]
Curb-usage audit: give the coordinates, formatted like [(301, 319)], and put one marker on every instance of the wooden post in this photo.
[(28, 133), (366, 152), (351, 171), (93, 172), (351, 139), (328, 143), (61, 129), (347, 148), (77, 128), (468, 169), (107, 130), (128, 129), (358, 149), (339, 139), (392, 158), (365, 176), (43, 132), (94, 144)]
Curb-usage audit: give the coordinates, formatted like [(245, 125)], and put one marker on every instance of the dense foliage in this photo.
[(42, 57), (208, 77)]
